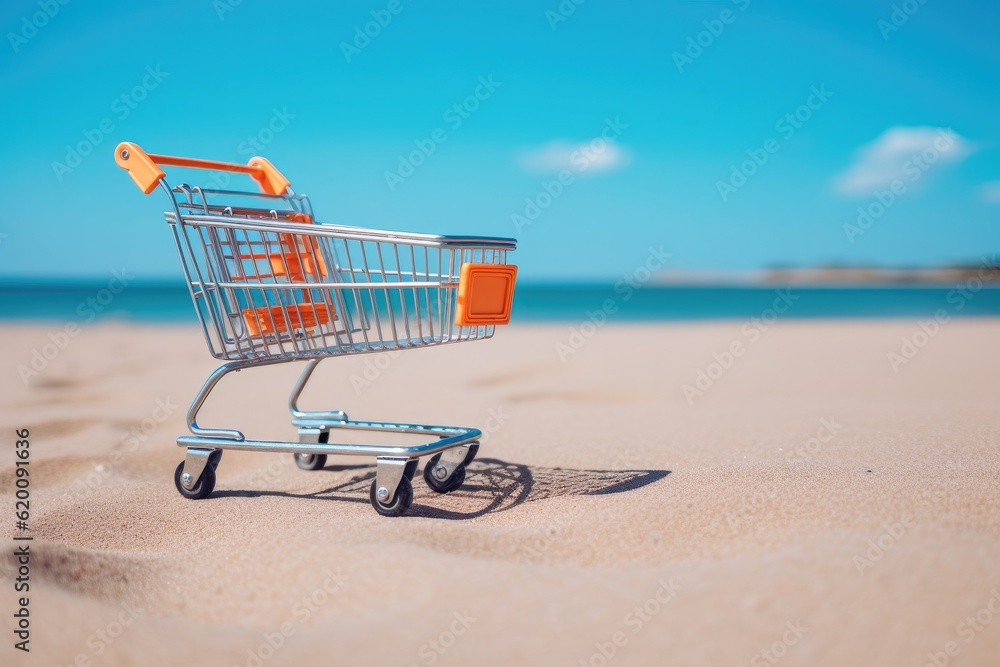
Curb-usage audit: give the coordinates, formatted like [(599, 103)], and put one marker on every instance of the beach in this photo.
[(821, 492)]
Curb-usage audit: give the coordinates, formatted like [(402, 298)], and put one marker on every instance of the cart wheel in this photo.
[(400, 503), (202, 488), (443, 485), (310, 461)]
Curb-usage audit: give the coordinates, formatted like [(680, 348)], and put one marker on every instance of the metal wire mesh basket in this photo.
[(269, 282)]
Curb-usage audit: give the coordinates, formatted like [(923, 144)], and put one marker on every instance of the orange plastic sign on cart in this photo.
[(485, 294)]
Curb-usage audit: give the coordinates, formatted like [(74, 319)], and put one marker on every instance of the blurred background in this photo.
[(699, 152)]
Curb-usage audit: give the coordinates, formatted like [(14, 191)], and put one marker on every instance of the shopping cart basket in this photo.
[(271, 285)]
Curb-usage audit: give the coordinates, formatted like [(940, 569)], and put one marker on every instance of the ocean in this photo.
[(537, 302)]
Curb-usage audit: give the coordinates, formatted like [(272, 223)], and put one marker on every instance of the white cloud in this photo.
[(991, 192), (901, 153), (596, 155)]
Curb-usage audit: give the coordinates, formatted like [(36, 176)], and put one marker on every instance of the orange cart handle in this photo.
[(144, 168)]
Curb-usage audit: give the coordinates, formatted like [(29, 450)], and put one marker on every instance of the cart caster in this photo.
[(310, 461), (203, 487), (195, 475), (398, 505), (442, 477)]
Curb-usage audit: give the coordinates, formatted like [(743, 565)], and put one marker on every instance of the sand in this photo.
[(813, 506)]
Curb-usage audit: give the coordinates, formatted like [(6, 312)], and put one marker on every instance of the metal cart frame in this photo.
[(271, 285)]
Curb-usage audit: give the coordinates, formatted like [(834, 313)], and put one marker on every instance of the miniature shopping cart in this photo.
[(271, 285)]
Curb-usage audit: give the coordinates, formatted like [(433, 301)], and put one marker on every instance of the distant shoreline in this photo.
[(839, 277)]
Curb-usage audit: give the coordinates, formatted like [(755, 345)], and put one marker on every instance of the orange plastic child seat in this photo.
[(297, 246), (271, 319)]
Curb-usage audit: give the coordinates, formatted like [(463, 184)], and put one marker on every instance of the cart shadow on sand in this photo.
[(491, 485)]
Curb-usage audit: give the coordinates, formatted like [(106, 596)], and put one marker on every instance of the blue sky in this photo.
[(536, 85)]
